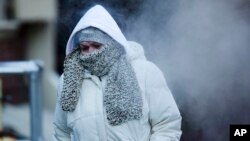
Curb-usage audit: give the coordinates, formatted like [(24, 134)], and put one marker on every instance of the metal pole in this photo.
[(1, 106), (34, 71), (35, 106)]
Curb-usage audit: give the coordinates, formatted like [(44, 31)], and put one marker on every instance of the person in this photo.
[(109, 91)]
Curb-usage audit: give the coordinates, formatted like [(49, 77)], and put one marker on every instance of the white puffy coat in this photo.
[(161, 119)]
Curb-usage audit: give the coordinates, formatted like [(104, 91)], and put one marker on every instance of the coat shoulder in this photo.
[(149, 73), (143, 65)]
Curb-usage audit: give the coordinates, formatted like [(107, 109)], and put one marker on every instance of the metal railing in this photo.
[(33, 69)]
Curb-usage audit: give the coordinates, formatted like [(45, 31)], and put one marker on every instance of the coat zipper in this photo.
[(104, 110)]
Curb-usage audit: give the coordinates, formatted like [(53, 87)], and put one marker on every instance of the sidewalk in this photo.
[(18, 118)]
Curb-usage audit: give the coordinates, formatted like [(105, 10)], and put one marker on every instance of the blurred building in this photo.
[(27, 31)]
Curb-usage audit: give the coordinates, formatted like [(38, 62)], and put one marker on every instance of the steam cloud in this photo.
[(203, 47)]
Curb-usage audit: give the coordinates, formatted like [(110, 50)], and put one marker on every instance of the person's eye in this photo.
[(97, 45), (83, 47)]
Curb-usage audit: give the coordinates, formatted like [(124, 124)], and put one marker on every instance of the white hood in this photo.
[(99, 17)]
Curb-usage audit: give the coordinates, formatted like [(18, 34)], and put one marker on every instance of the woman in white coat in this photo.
[(109, 91)]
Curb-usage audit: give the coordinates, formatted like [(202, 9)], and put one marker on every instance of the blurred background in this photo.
[(203, 48)]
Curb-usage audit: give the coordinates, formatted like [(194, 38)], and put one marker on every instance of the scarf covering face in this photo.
[(122, 96)]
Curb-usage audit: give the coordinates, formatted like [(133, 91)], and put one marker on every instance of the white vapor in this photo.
[(203, 47)]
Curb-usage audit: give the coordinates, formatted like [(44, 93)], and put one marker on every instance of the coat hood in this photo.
[(99, 17)]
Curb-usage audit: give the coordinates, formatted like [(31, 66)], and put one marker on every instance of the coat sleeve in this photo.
[(164, 116), (61, 131)]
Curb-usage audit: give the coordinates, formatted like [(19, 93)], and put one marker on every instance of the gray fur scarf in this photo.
[(122, 95)]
